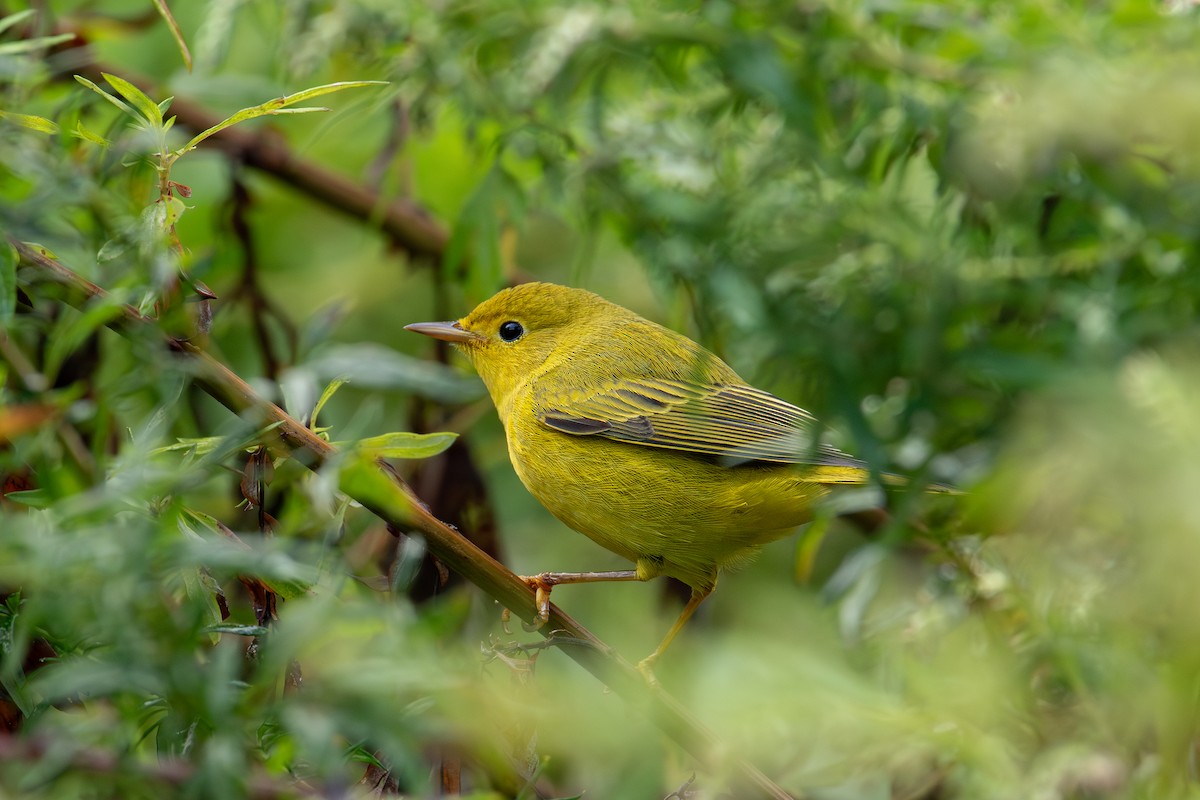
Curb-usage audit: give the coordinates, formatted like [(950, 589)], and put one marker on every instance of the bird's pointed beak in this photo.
[(446, 331)]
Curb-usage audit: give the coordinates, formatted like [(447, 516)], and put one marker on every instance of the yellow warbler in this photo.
[(641, 439)]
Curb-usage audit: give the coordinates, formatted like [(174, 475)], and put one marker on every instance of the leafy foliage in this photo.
[(962, 234)]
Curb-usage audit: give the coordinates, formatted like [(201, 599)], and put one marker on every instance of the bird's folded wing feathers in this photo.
[(736, 423)]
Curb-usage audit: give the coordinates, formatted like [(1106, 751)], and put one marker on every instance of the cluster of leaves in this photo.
[(945, 209), (923, 186)]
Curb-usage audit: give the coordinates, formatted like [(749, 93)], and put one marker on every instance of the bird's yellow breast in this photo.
[(683, 512)]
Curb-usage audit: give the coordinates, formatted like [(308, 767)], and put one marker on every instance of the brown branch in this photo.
[(409, 225), (379, 489)]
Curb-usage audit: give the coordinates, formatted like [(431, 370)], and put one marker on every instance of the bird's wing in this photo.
[(736, 423)]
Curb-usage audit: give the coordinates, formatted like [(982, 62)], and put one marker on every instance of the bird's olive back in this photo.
[(536, 329)]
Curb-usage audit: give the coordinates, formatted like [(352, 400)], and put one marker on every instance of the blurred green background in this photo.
[(963, 235)]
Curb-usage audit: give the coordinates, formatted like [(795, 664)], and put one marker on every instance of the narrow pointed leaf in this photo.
[(125, 107), (333, 386), (80, 132), (402, 444), (147, 107), (33, 123), (15, 19), (33, 45), (272, 107)]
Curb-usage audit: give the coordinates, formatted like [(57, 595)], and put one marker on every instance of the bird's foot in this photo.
[(541, 585)]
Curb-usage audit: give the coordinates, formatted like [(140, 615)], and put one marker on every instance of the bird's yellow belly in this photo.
[(684, 514)]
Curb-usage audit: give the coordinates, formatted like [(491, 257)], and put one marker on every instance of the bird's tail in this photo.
[(839, 475)]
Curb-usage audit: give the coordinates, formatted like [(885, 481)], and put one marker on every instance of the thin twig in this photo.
[(385, 494), (258, 304)]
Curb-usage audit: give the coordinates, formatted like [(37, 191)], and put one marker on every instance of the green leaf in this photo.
[(175, 209), (272, 107), (148, 108), (238, 630), (160, 217), (8, 283), (363, 755), (304, 110), (360, 477), (33, 45), (288, 590), (201, 587), (402, 444), (333, 386), (188, 513), (33, 123), (34, 498), (125, 107), (15, 18), (113, 248), (80, 132), (328, 88), (199, 446)]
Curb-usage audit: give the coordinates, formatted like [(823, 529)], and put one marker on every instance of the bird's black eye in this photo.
[(511, 331)]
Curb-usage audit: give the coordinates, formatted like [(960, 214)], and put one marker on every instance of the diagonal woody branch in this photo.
[(382, 491)]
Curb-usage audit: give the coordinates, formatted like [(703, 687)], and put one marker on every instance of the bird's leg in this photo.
[(646, 665), (544, 582)]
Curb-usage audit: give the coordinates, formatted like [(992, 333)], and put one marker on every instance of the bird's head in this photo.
[(513, 333)]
